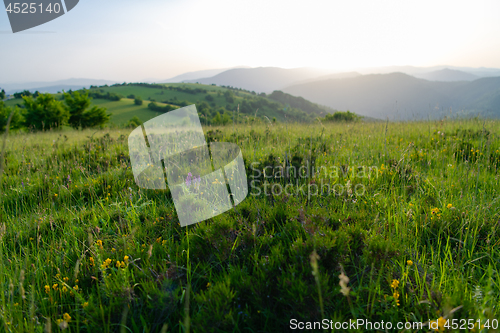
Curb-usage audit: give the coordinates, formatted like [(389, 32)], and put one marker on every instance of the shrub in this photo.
[(77, 105), (342, 116), (17, 118), (45, 112), (134, 122)]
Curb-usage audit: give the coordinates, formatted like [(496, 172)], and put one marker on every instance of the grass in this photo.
[(123, 110), (412, 237)]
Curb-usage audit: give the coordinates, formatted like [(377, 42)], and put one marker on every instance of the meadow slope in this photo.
[(408, 230)]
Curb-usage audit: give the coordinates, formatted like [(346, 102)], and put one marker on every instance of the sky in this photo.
[(127, 40)]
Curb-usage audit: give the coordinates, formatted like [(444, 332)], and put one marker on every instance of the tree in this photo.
[(17, 118), (23, 93), (77, 105), (134, 122), (342, 116), (138, 101), (95, 117), (45, 112), (2, 94)]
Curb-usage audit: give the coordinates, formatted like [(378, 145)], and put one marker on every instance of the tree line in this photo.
[(44, 112)]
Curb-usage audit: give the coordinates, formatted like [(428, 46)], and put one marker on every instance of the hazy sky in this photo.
[(156, 39)]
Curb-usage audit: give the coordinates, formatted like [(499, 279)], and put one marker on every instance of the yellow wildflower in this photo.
[(441, 322), (396, 297), (409, 262), (67, 317), (449, 206), (394, 284), (47, 289), (55, 286)]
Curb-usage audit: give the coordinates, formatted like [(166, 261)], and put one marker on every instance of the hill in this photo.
[(401, 96), (231, 104), (196, 75), (447, 74), (54, 86), (262, 79)]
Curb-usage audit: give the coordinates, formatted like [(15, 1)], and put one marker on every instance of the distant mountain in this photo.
[(198, 75), (342, 75), (401, 96), (417, 71), (262, 79), (11, 88), (447, 75)]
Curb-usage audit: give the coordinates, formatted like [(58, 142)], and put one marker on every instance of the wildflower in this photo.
[(126, 258), (67, 317), (99, 243), (158, 239), (47, 289), (434, 211), (441, 322), (91, 261), (394, 284), (66, 279), (396, 297), (55, 194), (106, 263), (85, 304), (208, 285), (409, 262), (449, 206), (54, 286), (64, 289), (75, 287), (188, 179)]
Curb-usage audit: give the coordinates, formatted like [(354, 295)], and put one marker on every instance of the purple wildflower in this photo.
[(188, 179)]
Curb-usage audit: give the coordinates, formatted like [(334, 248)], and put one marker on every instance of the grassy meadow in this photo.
[(408, 231)]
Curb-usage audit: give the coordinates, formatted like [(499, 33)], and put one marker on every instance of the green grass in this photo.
[(428, 217), (123, 110)]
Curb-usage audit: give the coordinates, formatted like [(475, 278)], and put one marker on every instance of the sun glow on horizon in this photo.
[(162, 39)]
